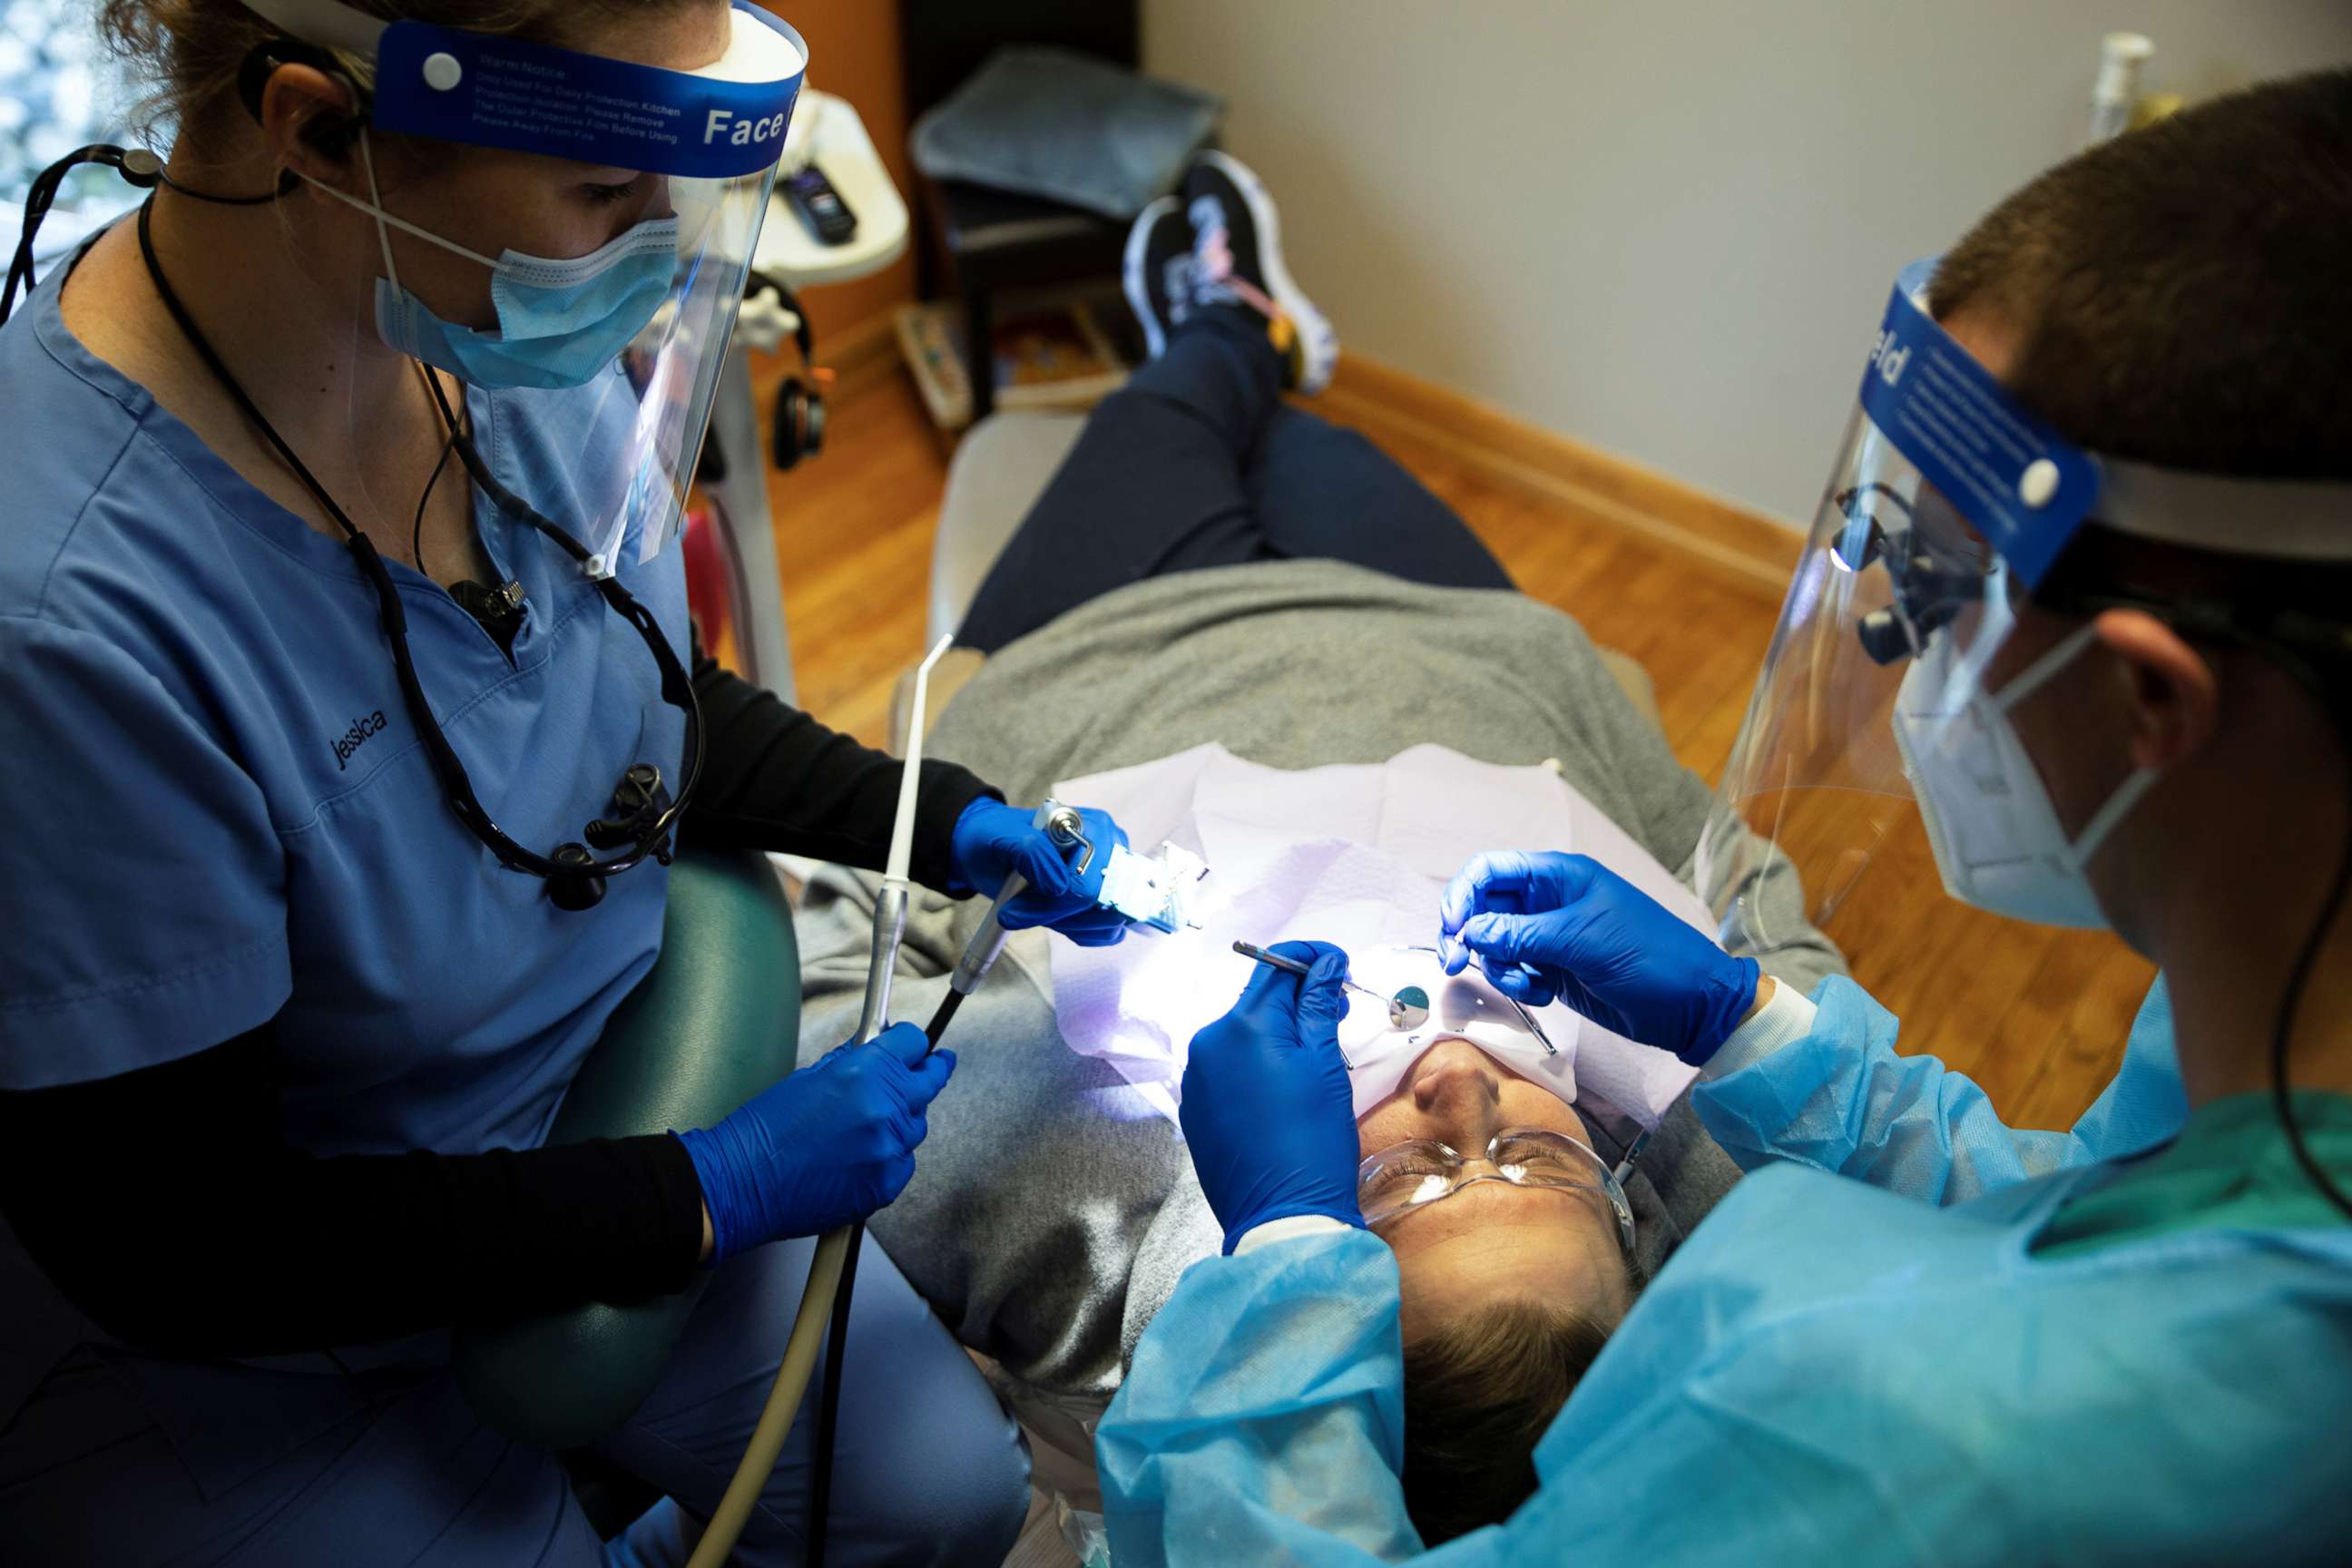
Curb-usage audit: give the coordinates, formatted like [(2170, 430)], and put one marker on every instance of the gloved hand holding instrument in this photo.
[(1267, 1111), (1548, 926), (821, 1148), (1025, 857), (886, 1077), (835, 1258), (1022, 852)]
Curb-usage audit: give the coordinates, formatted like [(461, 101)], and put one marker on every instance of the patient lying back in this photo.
[(1513, 1242)]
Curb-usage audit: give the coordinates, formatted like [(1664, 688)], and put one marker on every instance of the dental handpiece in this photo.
[(988, 941), (882, 960), (1067, 829)]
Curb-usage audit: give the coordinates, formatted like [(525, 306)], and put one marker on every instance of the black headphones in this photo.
[(799, 429)]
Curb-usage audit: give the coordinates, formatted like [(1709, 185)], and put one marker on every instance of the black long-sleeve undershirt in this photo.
[(777, 779), (170, 1208)]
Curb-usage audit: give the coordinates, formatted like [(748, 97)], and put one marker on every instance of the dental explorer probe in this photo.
[(1408, 1009), (835, 1263)]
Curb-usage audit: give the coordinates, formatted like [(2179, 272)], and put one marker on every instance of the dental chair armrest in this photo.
[(716, 1021)]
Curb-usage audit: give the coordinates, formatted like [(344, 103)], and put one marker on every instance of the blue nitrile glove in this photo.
[(992, 839), (1267, 1109), (821, 1147), (1565, 926)]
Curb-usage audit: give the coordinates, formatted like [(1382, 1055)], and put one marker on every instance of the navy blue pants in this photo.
[(1198, 462), (112, 1461)]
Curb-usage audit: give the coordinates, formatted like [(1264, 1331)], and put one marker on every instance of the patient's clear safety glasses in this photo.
[(1415, 1174)]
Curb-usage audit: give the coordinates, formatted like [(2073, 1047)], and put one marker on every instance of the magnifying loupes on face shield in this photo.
[(1880, 727), (1936, 566)]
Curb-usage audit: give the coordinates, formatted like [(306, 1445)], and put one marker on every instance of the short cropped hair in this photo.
[(1479, 1393), (2180, 293)]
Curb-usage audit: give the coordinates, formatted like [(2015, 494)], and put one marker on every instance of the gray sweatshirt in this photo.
[(1051, 1210)]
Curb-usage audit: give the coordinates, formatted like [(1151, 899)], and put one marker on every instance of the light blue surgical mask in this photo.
[(561, 321)]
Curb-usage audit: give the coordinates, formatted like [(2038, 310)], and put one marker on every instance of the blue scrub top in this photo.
[(221, 812)]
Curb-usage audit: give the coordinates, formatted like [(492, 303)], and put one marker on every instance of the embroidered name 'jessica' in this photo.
[(355, 737)]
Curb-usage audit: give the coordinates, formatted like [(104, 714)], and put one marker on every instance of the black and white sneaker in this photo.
[(1157, 272), (1236, 260)]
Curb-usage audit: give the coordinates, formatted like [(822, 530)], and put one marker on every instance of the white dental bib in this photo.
[(1461, 1007), (1355, 855)]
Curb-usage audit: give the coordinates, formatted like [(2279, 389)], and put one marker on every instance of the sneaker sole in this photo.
[(1131, 279), (1318, 344)]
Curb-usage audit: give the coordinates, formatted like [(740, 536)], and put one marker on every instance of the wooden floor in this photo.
[(2037, 1017)]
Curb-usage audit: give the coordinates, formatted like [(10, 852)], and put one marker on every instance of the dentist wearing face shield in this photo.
[(352, 717), (2074, 618)]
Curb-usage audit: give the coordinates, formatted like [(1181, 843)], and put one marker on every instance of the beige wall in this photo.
[(1667, 228)]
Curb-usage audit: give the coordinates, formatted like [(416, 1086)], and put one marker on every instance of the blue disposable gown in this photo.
[(1828, 1372)]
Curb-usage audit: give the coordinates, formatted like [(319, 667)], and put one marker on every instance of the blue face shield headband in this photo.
[(1953, 482), (1879, 750), (664, 294), (1950, 505), (721, 121), (657, 300)]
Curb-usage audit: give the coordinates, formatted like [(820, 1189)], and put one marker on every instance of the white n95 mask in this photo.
[(1996, 836)]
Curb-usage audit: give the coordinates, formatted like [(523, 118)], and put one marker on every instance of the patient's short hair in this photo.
[(1479, 1392)]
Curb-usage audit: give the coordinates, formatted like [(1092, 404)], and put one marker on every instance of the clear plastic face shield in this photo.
[(642, 323), (1876, 753)]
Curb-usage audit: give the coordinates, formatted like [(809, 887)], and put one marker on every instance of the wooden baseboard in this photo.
[(1385, 400)]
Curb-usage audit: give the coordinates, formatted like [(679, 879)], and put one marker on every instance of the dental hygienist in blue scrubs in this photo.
[(350, 715)]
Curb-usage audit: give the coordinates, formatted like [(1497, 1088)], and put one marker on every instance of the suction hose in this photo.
[(836, 1257), (734, 1509)]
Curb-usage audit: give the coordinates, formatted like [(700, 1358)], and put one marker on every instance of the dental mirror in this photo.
[(1408, 1009)]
